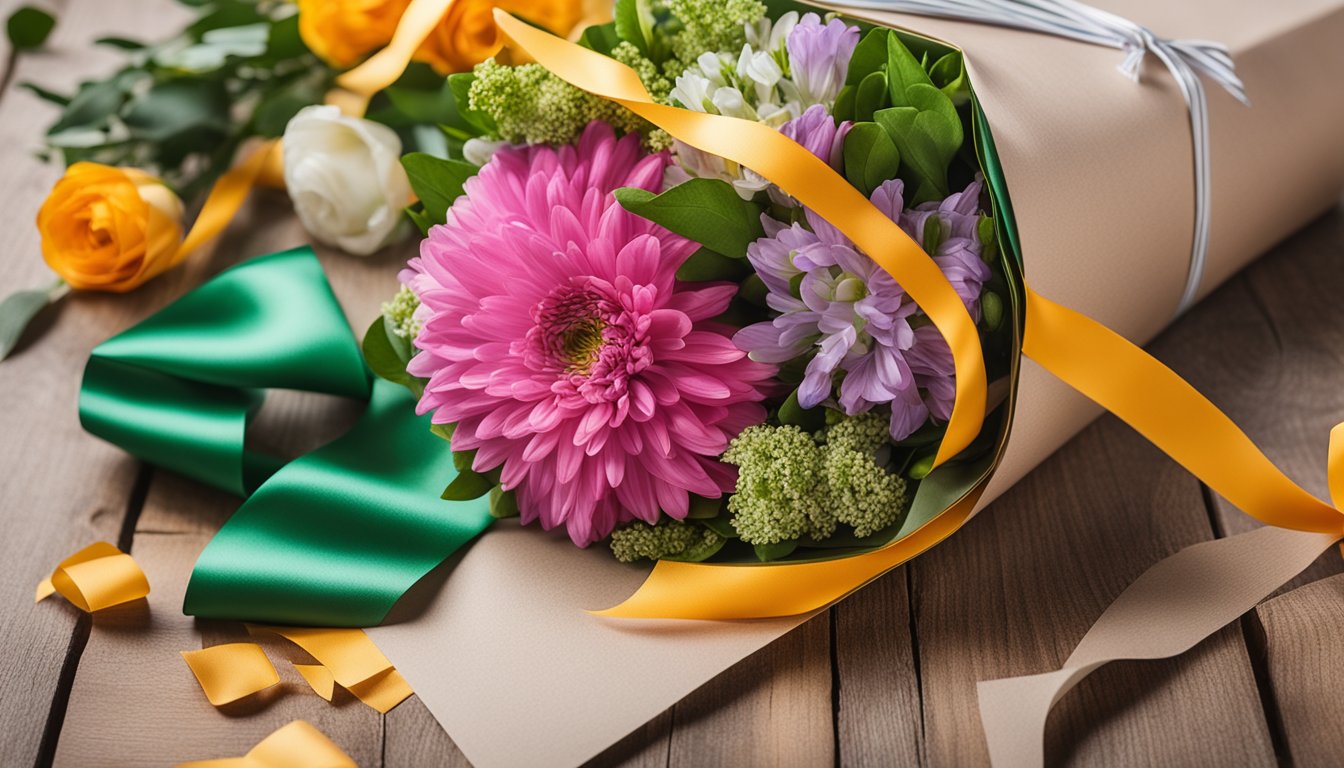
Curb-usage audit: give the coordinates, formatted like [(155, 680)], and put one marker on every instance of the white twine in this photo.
[(1186, 59)]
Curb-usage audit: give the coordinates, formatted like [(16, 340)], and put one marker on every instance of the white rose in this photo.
[(345, 177)]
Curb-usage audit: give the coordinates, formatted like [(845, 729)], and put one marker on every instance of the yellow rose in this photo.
[(109, 229), (342, 32)]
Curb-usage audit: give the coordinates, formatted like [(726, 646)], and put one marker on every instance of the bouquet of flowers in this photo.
[(647, 345)]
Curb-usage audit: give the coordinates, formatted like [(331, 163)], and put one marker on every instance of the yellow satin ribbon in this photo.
[(96, 577), (319, 678), (228, 194), (297, 745), (1093, 359), (353, 661), (230, 672), (384, 67)]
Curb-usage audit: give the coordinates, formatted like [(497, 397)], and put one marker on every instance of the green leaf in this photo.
[(442, 431), (705, 265), (386, 354), (46, 95), (418, 105), (721, 525), (870, 156), (903, 71), (18, 310), (503, 504), (704, 548), (416, 213), (121, 43), (460, 84), (844, 104), (174, 108), (29, 27), (467, 486), (707, 211), (276, 110), (870, 96), (948, 74), (462, 460), (600, 37), (754, 291), (768, 552), (928, 134), (869, 56), (702, 508), (90, 107), (806, 419), (634, 24), (437, 182)]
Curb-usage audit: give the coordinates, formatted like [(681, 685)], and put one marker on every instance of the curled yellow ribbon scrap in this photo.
[(96, 577), (319, 678), (297, 745), (352, 660), (1096, 361), (230, 672)]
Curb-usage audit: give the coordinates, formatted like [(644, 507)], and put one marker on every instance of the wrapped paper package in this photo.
[(1099, 170)]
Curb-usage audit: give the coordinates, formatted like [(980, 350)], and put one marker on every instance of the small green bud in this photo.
[(921, 468), (991, 310), (933, 234)]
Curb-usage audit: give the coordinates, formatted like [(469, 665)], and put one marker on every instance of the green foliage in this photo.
[(668, 540), (705, 266), (707, 211), (468, 485), (710, 25), (181, 107), (870, 157), (29, 27), (793, 414), (387, 352), (18, 310), (437, 182)]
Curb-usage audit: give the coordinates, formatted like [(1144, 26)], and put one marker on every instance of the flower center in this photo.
[(588, 340), (581, 344)]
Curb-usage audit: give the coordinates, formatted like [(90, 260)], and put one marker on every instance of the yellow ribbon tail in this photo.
[(1174, 416), (297, 745), (96, 577), (228, 195), (800, 173), (384, 67)]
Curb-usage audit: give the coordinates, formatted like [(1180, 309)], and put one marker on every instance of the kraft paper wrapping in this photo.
[(1100, 174)]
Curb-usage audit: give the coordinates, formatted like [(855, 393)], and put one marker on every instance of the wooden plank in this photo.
[(772, 708), (1303, 644), (178, 519), (879, 719), (1014, 592), (61, 490), (1269, 350)]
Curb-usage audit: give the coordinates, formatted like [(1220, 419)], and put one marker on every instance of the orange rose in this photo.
[(342, 32), (109, 229)]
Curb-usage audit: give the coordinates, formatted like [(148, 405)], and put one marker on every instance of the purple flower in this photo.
[(836, 304), (817, 132), (819, 57)]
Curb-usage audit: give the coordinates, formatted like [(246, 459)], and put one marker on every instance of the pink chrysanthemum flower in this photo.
[(557, 339)]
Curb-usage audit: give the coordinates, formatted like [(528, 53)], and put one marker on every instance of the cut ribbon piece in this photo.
[(230, 672), (319, 678), (351, 660), (297, 745), (96, 577), (332, 538)]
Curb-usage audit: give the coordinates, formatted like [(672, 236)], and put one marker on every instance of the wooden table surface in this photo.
[(885, 678)]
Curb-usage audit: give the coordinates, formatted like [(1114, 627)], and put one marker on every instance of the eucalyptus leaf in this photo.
[(870, 156), (29, 27), (18, 310), (708, 211), (467, 486), (437, 182), (769, 552)]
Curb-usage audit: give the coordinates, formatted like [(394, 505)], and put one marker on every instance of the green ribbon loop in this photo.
[(333, 538)]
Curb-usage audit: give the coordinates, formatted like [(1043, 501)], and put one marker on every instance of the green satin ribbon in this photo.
[(333, 538)]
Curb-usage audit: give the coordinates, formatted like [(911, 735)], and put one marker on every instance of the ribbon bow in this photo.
[(1185, 59)]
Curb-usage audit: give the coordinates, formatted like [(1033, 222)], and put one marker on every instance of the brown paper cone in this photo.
[(1100, 173)]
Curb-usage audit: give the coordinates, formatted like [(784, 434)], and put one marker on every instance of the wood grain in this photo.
[(1269, 350), (1303, 633), (62, 490), (1013, 593)]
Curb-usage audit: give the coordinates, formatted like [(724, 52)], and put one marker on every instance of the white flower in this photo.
[(345, 177), (772, 37), (729, 101), (692, 91), (478, 151)]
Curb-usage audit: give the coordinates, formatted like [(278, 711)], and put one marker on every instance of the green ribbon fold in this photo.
[(333, 538)]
